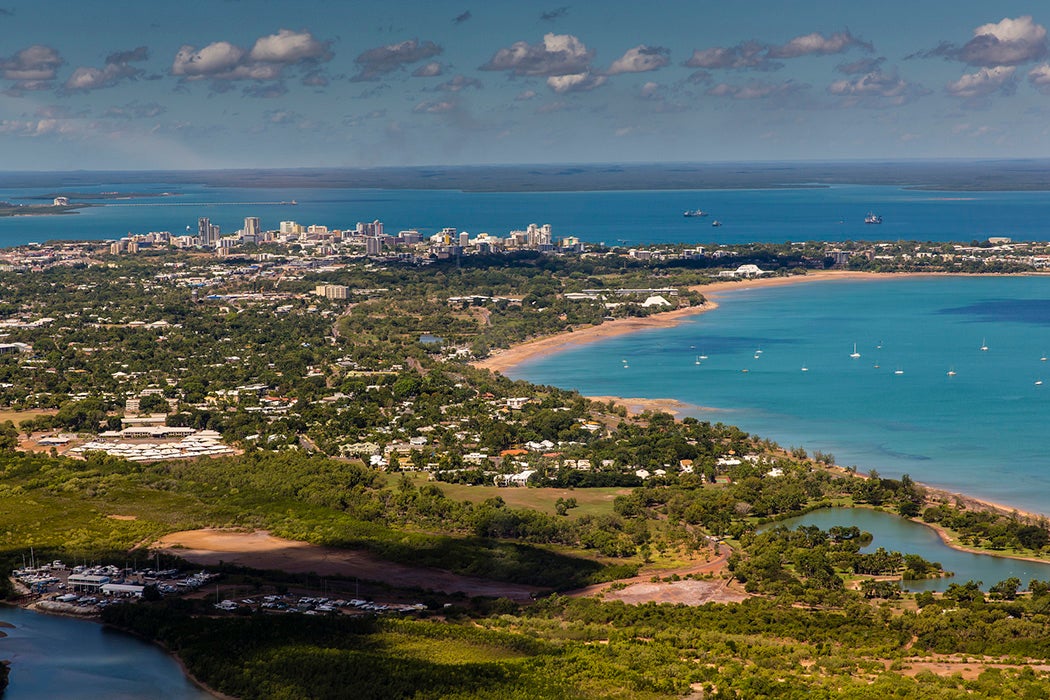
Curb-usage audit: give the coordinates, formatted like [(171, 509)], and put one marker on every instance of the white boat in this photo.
[(854, 354), (951, 372), (697, 360), (898, 371), (1039, 382), (872, 218), (1043, 358), (703, 357), (805, 369), (984, 345)]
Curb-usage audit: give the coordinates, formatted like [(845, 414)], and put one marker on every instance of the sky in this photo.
[(208, 84)]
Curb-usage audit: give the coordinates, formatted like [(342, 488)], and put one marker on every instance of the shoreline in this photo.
[(506, 359)]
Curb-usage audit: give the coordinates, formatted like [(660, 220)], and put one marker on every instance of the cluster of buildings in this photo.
[(366, 238)]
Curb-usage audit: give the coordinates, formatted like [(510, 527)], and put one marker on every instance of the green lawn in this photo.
[(596, 501)]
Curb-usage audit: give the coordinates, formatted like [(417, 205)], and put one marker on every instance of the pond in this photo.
[(894, 533)]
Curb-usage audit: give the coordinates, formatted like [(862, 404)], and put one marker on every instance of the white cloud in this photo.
[(33, 68), (984, 82), (117, 68), (287, 46), (578, 82), (1039, 77), (558, 55), (222, 61), (213, 60), (748, 54), (641, 59), (1009, 42), (876, 89), (428, 70), (818, 44)]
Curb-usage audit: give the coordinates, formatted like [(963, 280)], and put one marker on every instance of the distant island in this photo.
[(943, 175), (103, 195), (9, 209)]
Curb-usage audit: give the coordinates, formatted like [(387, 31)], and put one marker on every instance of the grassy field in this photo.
[(597, 501), (17, 417)]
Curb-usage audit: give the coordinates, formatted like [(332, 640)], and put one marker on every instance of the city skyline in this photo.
[(273, 84)]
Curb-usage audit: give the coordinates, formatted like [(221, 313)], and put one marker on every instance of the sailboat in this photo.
[(805, 369), (854, 354), (703, 357), (697, 360), (984, 345), (898, 371), (951, 372), (1043, 358)]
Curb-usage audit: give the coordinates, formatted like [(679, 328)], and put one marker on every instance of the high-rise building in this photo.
[(373, 245), (251, 226), (204, 231)]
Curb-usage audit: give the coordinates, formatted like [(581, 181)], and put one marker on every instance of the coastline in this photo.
[(508, 359)]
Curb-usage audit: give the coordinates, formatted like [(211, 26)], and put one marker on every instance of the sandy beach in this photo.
[(503, 360)]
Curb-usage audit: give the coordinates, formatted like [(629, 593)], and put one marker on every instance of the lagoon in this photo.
[(61, 657), (896, 534)]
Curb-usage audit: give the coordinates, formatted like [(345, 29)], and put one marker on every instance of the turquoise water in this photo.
[(982, 431), (59, 657), (899, 535), (633, 217)]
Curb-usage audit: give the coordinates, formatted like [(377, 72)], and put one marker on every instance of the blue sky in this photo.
[(228, 83)]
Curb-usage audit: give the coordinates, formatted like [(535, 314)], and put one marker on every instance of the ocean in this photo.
[(631, 218), (895, 408)]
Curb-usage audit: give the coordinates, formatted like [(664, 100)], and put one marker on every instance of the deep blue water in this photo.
[(59, 657), (631, 217), (982, 431), (899, 535)]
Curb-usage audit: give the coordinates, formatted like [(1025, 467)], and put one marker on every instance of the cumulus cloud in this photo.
[(876, 89), (32, 68), (428, 70), (558, 55), (459, 82), (1039, 77), (747, 54), (818, 44), (1009, 42), (218, 59), (382, 60), (576, 82), (641, 59), (983, 83), (267, 60), (287, 46), (756, 90), (116, 69)]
